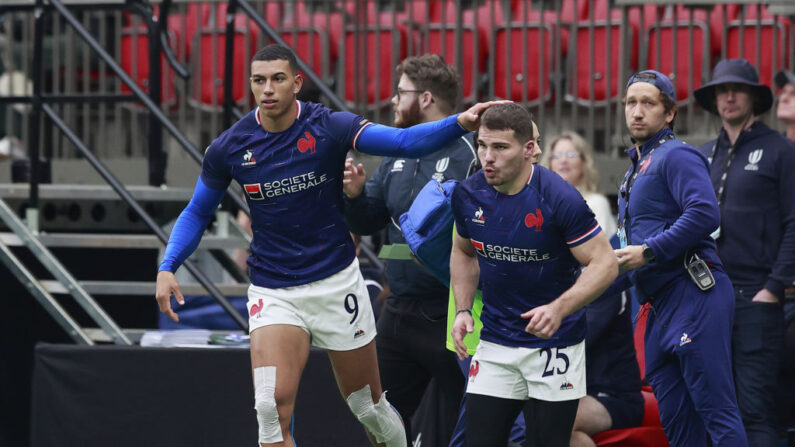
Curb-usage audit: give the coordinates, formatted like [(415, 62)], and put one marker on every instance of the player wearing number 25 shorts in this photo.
[(523, 234)]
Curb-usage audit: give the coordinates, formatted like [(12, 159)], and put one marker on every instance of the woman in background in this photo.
[(612, 376), (571, 157)]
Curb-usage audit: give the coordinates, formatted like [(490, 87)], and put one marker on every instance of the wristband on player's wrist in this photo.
[(469, 311)]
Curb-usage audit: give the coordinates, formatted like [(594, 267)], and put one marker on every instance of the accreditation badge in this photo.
[(622, 237)]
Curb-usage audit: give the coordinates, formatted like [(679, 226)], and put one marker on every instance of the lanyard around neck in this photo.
[(724, 170), (630, 181)]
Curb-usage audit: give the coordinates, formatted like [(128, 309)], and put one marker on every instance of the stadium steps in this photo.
[(68, 231), (135, 335), (95, 192), (139, 288), (118, 240)]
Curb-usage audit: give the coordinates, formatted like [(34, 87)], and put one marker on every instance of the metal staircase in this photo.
[(42, 205), (49, 292)]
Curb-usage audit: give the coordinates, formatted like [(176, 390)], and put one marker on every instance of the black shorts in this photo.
[(625, 409)]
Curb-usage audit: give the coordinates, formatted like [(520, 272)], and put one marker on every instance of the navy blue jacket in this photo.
[(610, 360), (389, 193), (672, 208), (757, 241)]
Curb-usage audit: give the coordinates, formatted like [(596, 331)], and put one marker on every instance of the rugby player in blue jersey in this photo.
[(523, 233), (306, 287)]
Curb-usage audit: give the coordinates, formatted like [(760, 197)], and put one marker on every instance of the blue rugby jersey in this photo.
[(293, 185), (523, 246)]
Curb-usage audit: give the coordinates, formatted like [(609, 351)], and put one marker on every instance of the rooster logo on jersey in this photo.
[(307, 143), (534, 220)]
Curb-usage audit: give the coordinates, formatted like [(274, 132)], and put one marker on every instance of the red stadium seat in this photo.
[(370, 52), (135, 56), (314, 36), (440, 38), (423, 11), (589, 70), (650, 433), (522, 62), (762, 30), (693, 66), (523, 52), (570, 10), (716, 22), (208, 87)]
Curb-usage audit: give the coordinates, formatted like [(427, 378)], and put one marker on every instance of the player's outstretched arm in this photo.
[(464, 274), (184, 239), (422, 139), (597, 256)]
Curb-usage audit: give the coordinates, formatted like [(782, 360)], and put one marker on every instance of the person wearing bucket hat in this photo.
[(785, 111), (751, 169), (666, 214)]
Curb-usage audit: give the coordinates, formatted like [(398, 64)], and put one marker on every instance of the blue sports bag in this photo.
[(428, 227)]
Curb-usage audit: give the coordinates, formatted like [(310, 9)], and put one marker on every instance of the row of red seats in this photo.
[(523, 38)]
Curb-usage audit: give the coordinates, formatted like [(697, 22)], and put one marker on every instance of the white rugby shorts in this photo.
[(334, 311), (549, 374)]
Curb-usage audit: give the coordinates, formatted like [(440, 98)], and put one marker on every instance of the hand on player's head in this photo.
[(470, 119)]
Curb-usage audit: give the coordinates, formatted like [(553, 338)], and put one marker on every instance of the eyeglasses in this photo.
[(400, 91), (569, 155)]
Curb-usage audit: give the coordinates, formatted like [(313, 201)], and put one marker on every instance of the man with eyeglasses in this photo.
[(751, 167), (412, 326)]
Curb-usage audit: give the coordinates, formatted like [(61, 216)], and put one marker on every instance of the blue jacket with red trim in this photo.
[(672, 208)]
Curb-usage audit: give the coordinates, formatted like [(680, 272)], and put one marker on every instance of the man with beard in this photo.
[(751, 169), (411, 329)]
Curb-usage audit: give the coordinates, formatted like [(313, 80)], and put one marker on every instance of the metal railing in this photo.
[(565, 60), (39, 106)]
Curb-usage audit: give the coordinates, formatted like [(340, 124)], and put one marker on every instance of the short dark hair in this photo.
[(509, 116), (277, 52), (430, 72)]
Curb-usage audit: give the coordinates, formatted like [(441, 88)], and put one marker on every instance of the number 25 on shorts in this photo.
[(559, 356)]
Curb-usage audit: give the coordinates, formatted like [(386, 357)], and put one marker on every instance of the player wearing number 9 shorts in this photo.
[(289, 156), (523, 234)]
